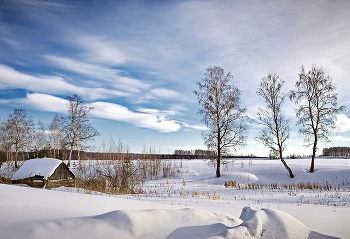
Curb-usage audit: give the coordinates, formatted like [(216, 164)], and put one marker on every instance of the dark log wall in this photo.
[(62, 172)]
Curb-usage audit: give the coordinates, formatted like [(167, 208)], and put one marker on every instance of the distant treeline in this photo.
[(63, 155), (336, 152)]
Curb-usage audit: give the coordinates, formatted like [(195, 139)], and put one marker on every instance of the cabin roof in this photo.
[(41, 166)]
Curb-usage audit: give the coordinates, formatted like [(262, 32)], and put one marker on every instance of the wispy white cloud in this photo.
[(91, 70), (343, 122), (151, 119), (100, 50), (12, 79), (196, 127), (161, 114), (39, 4), (164, 93), (12, 43), (100, 72), (130, 84), (161, 94), (44, 102), (113, 78)]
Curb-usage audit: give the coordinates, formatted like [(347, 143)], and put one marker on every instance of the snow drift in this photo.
[(53, 214), (37, 213), (173, 224)]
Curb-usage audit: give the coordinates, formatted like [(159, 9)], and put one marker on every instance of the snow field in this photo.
[(40, 213), (269, 178), (195, 204)]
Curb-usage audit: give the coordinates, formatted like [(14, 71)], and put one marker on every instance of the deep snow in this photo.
[(193, 205)]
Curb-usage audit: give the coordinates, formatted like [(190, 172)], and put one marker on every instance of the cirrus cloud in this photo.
[(121, 113), (100, 72), (105, 110), (12, 79), (343, 122)]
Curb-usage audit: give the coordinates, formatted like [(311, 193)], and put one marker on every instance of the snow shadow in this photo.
[(204, 231)]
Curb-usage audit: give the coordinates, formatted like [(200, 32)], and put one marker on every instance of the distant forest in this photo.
[(178, 154), (336, 152), (83, 155)]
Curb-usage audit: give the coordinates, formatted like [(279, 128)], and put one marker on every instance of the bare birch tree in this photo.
[(111, 148), (219, 102), (5, 139), (76, 125), (20, 126), (318, 107), (55, 136), (38, 140), (276, 126)]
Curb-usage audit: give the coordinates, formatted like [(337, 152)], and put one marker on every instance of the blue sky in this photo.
[(137, 62)]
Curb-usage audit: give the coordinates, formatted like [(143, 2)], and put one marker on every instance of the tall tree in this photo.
[(276, 126), (219, 102), (55, 136), (318, 107), (111, 148), (39, 140), (76, 125), (5, 139), (20, 128)]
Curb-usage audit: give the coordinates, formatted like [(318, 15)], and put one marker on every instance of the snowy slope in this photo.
[(38, 213), (194, 204)]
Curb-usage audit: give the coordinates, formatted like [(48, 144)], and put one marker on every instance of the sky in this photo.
[(137, 62)]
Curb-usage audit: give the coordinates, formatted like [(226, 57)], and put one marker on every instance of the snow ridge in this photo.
[(176, 223)]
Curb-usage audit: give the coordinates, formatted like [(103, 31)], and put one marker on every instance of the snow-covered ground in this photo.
[(194, 205)]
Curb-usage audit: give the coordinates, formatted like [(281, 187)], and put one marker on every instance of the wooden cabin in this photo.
[(44, 172)]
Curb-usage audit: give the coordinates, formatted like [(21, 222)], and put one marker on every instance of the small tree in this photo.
[(111, 148), (76, 125), (5, 139), (39, 141), (20, 127), (219, 102), (318, 107), (276, 126), (55, 136), (127, 171)]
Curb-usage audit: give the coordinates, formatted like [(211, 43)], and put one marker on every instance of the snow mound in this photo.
[(244, 176), (155, 223), (42, 166), (270, 223), (175, 223)]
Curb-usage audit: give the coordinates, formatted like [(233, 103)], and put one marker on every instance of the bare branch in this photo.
[(219, 102), (317, 107), (276, 127)]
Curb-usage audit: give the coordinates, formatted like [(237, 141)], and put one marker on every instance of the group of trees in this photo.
[(219, 100), (198, 153), (220, 106), (336, 152), (18, 133)]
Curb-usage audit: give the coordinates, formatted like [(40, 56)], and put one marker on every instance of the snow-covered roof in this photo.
[(42, 166)]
